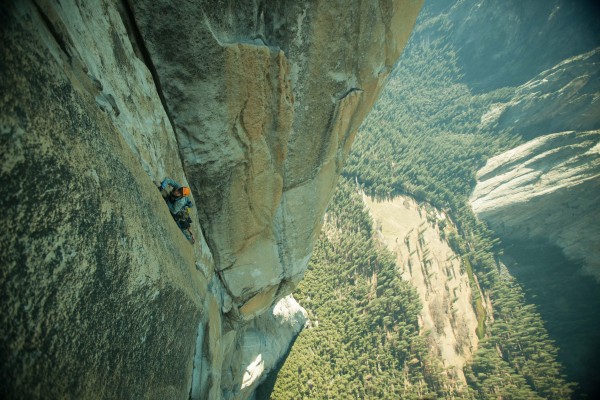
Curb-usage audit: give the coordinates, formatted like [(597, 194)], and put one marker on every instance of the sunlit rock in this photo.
[(564, 97), (547, 189)]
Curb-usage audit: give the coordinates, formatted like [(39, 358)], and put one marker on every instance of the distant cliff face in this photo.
[(515, 40), (542, 197), (547, 189), (254, 105), (561, 98)]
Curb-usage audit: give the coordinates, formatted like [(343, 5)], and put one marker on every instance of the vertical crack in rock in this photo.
[(139, 46), (140, 49), (223, 283), (60, 40), (198, 381)]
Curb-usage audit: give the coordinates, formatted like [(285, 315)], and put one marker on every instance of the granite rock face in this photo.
[(252, 104), (266, 98), (546, 189), (101, 297), (562, 98), (265, 341)]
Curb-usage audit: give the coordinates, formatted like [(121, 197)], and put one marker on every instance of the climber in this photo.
[(179, 205)]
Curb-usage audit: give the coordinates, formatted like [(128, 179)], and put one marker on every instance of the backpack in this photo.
[(183, 219)]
